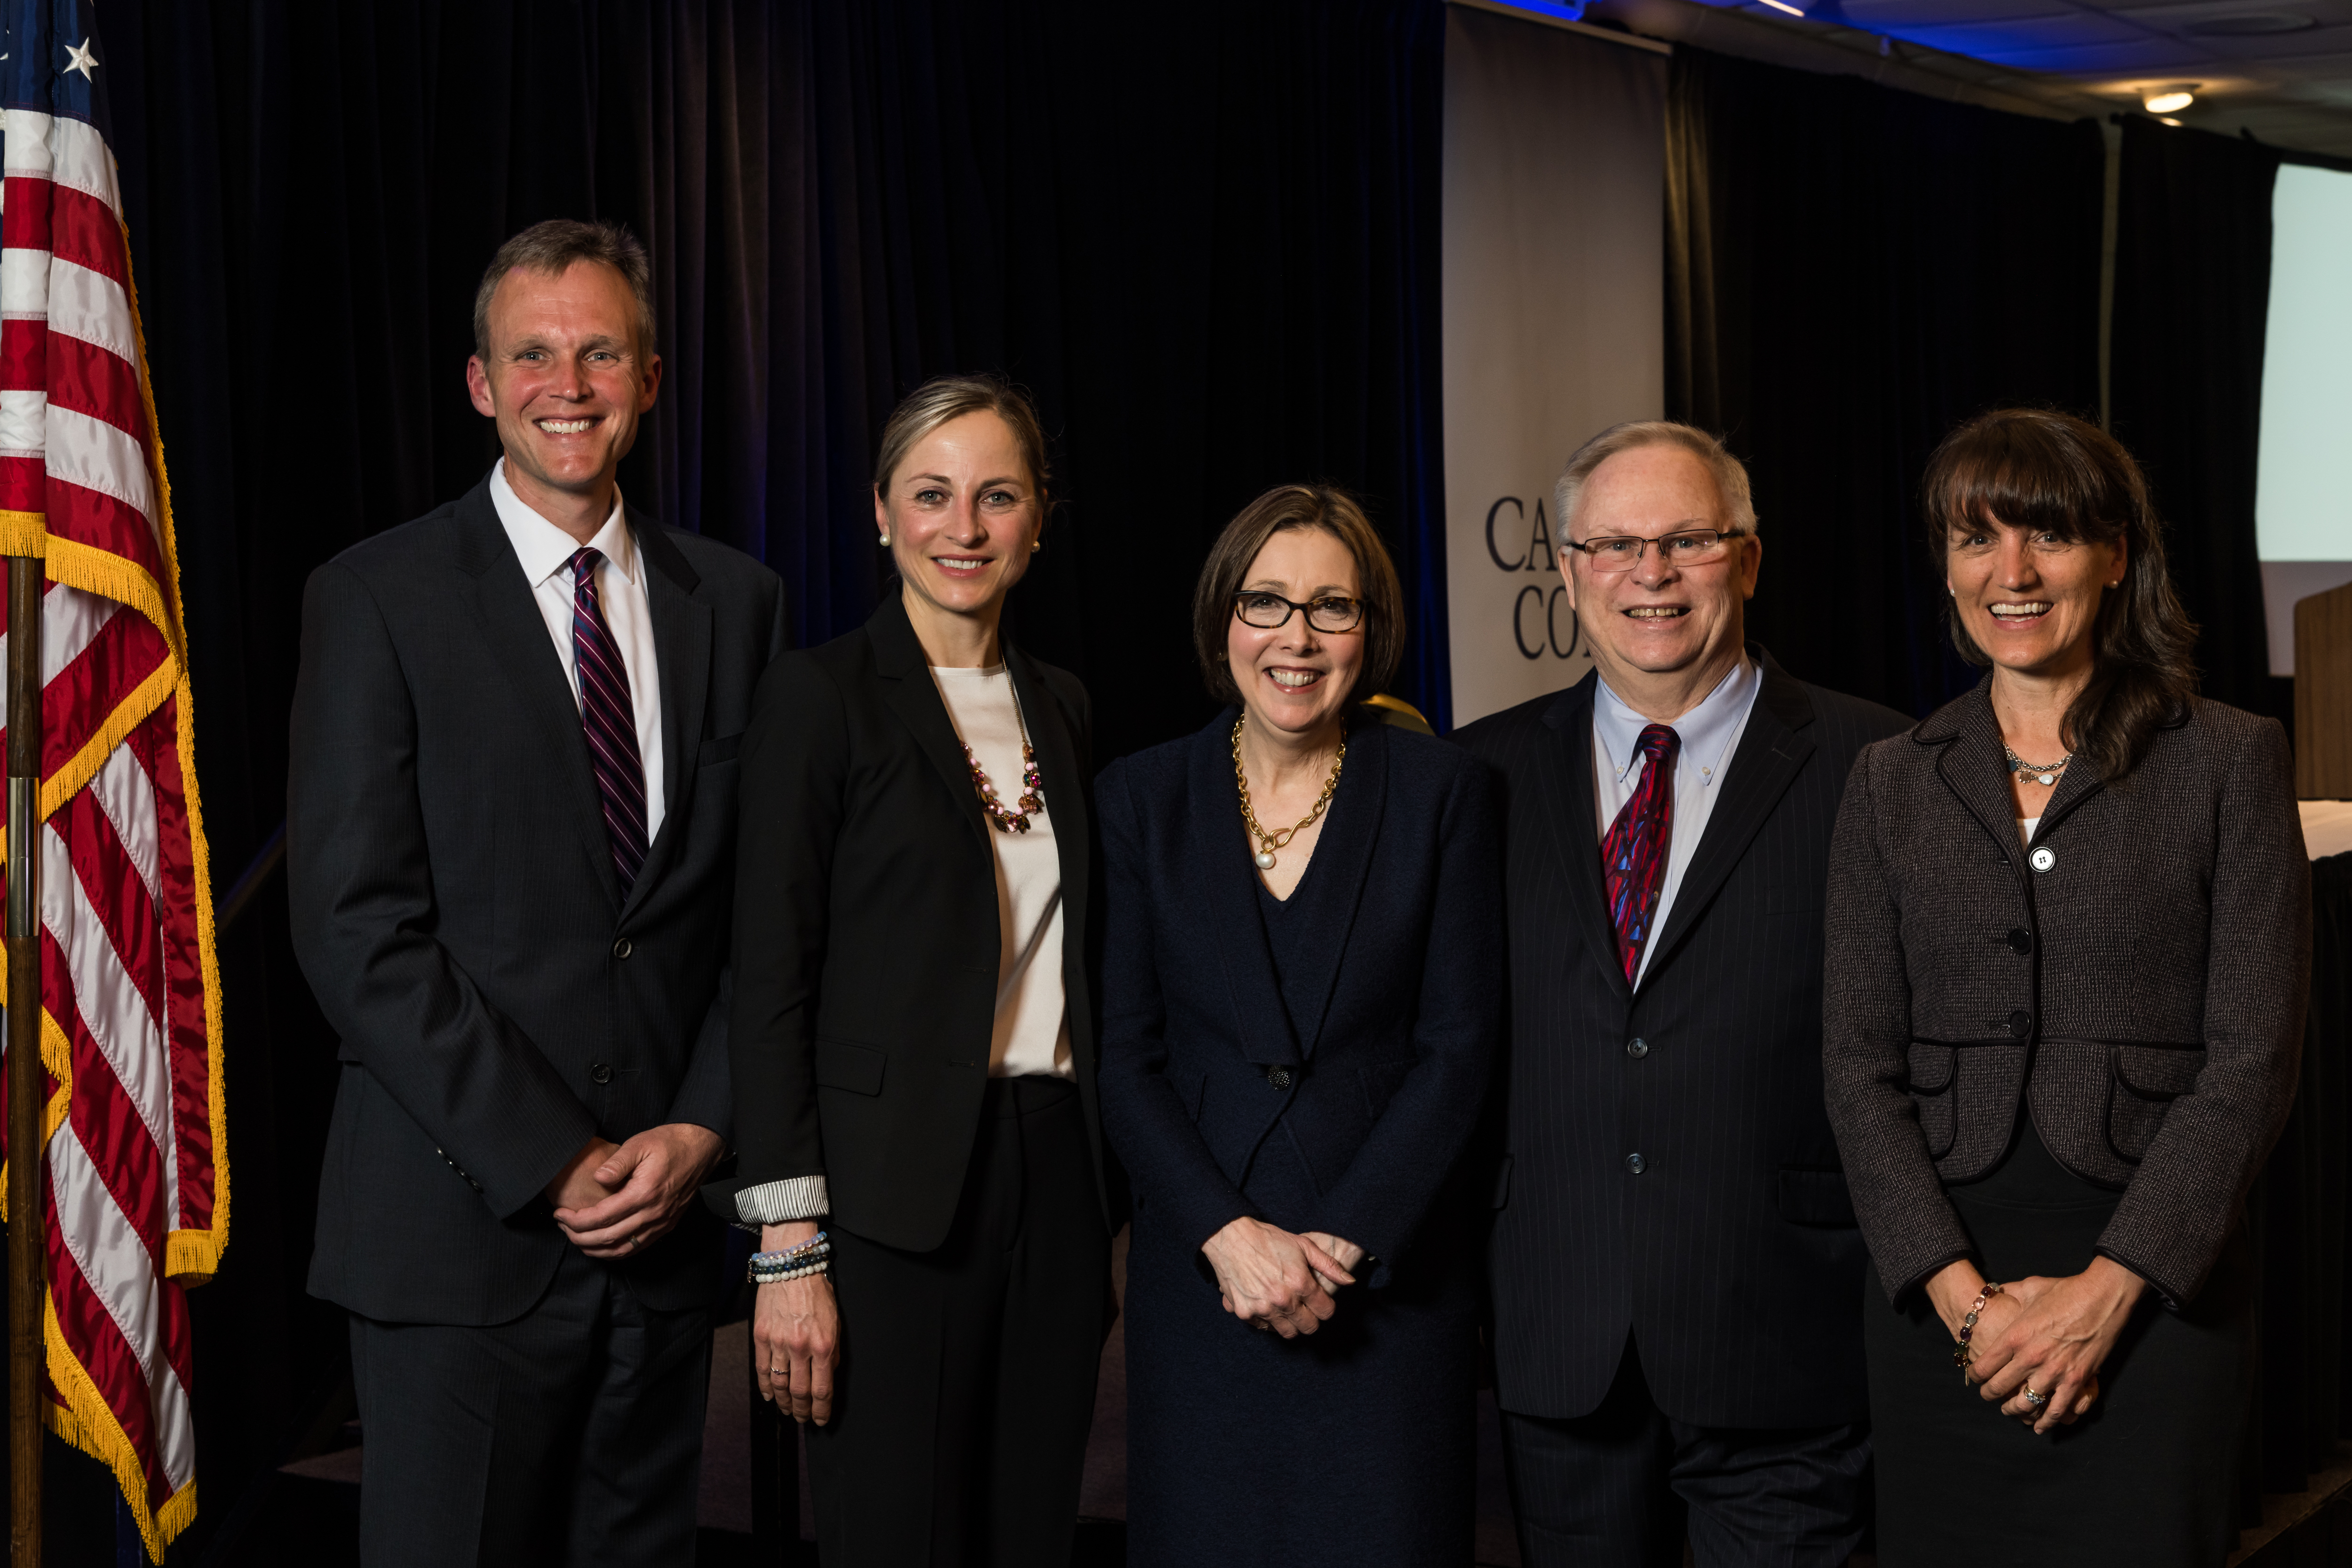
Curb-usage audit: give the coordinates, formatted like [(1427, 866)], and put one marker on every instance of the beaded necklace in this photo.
[(1032, 784)]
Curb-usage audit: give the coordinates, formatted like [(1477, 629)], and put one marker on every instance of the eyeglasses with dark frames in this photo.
[(1257, 607), (1684, 547)]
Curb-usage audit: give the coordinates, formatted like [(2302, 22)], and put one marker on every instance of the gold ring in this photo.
[(2036, 1400)]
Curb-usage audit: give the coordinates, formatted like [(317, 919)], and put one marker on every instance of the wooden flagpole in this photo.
[(27, 1084)]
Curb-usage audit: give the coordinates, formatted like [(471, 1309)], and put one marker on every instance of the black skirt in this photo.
[(2149, 1477)]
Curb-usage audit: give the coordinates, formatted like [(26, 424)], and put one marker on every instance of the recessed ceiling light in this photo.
[(2170, 100), (2251, 25)]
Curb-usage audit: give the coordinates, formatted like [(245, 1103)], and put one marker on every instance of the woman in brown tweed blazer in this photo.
[(2068, 951)]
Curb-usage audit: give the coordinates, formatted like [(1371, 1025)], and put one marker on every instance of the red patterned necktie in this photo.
[(1633, 851), (611, 720)]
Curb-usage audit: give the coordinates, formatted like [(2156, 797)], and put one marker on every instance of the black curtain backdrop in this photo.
[(1851, 270), (2300, 1214), (1209, 250), (2191, 304)]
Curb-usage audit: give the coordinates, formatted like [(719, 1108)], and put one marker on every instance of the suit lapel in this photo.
[(914, 696), (1773, 752), (1563, 766), (1224, 889), (1334, 883), (527, 659), (1974, 768), (682, 652)]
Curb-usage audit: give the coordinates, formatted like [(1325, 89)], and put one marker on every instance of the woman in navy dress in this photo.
[(1302, 994)]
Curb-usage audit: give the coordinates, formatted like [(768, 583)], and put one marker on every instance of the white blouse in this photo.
[(1032, 1035)]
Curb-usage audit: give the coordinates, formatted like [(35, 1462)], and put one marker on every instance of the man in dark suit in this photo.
[(1676, 1270), (511, 845)]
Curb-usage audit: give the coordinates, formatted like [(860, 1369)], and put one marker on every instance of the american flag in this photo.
[(136, 1187)]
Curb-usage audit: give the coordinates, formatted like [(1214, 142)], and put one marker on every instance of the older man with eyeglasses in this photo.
[(1676, 1270)]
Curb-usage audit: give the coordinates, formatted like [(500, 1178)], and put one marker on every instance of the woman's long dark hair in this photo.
[(2034, 469)]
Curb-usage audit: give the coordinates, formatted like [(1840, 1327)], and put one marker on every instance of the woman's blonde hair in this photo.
[(947, 397)]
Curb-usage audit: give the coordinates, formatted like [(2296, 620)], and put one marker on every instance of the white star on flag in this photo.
[(79, 58)]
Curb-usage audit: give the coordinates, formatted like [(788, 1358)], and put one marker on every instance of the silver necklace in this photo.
[(2038, 773)]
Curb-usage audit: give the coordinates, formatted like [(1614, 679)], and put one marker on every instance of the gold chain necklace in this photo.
[(1268, 842)]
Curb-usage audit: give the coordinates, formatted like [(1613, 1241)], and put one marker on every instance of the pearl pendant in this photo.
[(2049, 778), (1265, 859)]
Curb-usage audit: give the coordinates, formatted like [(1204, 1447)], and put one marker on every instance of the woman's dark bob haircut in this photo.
[(2049, 472), (1281, 508)]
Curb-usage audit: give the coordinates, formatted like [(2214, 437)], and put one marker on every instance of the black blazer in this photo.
[(1373, 1057), (2138, 977), (457, 913), (1733, 1252), (865, 939)]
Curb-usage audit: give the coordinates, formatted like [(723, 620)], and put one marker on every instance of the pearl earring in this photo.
[(886, 541), (1036, 545)]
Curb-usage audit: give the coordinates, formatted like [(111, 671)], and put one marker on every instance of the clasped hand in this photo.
[(614, 1200), (1272, 1280), (2051, 1335)]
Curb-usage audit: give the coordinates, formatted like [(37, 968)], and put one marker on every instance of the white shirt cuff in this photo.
[(777, 1203)]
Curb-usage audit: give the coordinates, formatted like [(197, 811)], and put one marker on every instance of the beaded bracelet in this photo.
[(760, 1269), (802, 1271), (793, 1255), (1963, 1355), (817, 1242)]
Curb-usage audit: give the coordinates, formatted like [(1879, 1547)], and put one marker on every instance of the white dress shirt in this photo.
[(1032, 1035), (546, 551), (1709, 734)]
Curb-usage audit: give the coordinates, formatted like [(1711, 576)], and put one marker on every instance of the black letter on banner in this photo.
[(1542, 539), (1518, 614), (1506, 565), (1551, 625)]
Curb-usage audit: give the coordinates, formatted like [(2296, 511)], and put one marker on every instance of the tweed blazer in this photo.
[(2139, 975)]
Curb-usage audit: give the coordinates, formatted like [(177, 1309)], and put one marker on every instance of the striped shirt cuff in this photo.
[(775, 1202)]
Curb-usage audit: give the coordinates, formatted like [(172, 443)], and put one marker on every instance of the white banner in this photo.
[(1555, 319)]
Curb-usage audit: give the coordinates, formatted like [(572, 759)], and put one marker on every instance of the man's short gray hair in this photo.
[(1730, 476), (552, 248)]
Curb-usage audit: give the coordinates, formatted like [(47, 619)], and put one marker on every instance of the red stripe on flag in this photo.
[(23, 484), (84, 230), (24, 355), (93, 518), (107, 1356), (102, 1113), (126, 650), (188, 1040), (98, 381), (112, 884), (25, 219)]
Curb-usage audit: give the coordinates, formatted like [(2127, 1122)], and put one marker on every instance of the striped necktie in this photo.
[(1634, 851), (611, 720)]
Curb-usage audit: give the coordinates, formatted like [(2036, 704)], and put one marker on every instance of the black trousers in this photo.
[(1617, 1487), (967, 1381), (572, 1436)]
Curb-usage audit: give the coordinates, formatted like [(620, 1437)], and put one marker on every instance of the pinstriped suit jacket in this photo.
[(1732, 1256)]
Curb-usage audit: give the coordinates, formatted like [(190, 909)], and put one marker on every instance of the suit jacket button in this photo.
[(2020, 940), (622, 949), (2041, 859), (1637, 1050), (2021, 1024), (1635, 1163), (601, 1072), (1279, 1077)]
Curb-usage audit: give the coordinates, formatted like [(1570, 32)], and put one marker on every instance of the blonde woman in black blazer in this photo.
[(2069, 930), (913, 1045)]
